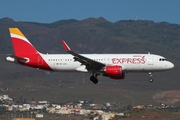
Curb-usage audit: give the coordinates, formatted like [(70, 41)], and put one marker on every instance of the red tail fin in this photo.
[(25, 52), (21, 44)]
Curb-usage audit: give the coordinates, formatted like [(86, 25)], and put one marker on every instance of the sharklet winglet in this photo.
[(66, 47)]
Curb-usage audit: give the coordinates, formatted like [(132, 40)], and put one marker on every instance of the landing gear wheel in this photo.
[(94, 79), (150, 80)]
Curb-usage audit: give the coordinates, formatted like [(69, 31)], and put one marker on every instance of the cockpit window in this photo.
[(162, 59)]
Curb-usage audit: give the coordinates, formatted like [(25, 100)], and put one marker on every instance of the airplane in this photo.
[(114, 66)]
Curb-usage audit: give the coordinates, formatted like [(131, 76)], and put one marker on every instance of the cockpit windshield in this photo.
[(162, 59)]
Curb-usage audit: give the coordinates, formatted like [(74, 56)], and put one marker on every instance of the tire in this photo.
[(151, 80), (94, 79)]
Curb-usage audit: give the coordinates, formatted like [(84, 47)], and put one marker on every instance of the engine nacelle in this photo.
[(118, 76), (114, 72)]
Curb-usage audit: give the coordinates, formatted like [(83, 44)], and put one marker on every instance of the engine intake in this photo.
[(114, 72)]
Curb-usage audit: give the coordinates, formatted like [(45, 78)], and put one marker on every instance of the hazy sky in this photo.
[(47, 11)]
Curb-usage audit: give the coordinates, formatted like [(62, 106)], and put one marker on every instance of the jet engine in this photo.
[(114, 72)]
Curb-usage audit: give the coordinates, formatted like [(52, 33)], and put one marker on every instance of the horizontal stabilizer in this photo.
[(13, 58)]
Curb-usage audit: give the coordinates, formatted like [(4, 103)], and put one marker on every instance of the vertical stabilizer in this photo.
[(21, 44), (25, 52)]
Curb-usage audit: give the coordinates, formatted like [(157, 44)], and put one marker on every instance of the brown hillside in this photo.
[(171, 97)]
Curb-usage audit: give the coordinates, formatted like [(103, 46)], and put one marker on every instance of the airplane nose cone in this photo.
[(170, 65)]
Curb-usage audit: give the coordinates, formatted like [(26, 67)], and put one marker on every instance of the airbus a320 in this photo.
[(114, 66)]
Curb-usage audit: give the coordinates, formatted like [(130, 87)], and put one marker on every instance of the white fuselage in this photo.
[(129, 62)]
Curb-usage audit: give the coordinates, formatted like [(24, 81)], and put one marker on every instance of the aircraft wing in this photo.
[(91, 65)]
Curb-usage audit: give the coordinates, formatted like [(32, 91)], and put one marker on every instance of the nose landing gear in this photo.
[(150, 75)]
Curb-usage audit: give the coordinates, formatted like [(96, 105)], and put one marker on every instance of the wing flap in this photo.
[(82, 68)]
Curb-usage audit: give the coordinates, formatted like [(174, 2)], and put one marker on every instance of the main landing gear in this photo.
[(150, 75), (94, 79)]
